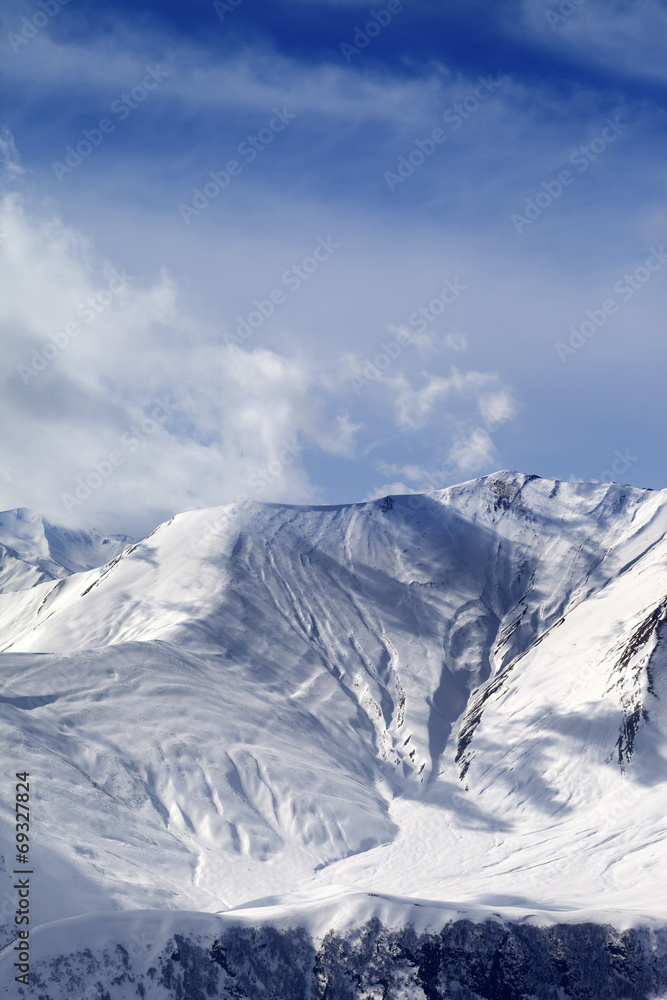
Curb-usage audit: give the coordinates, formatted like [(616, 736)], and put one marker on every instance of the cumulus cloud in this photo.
[(123, 409), (457, 413), (497, 407), (460, 396), (474, 451), (466, 408), (416, 407)]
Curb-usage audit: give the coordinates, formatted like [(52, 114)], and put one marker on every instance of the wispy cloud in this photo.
[(622, 37)]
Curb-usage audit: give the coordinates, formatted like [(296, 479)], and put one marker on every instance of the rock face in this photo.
[(492, 960), (455, 699)]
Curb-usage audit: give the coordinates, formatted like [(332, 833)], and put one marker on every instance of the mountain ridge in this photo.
[(450, 696)]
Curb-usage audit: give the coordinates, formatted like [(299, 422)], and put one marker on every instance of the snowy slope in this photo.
[(32, 550), (457, 698)]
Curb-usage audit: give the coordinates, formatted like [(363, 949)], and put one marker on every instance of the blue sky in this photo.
[(429, 256)]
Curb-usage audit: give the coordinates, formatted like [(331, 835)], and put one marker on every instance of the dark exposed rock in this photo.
[(491, 960)]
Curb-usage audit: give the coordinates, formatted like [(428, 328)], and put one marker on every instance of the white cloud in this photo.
[(10, 163), (455, 413), (474, 451), (621, 36), (416, 408), (477, 404), (254, 80), (497, 408), (456, 341), (117, 398), (423, 477), (389, 489)]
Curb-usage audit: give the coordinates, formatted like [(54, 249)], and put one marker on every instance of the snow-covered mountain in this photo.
[(32, 550), (421, 711)]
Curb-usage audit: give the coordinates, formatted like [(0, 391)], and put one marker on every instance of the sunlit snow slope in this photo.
[(457, 697)]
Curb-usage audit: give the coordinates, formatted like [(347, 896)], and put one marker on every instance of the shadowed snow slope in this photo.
[(456, 697)]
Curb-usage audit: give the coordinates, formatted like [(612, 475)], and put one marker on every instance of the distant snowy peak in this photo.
[(33, 551)]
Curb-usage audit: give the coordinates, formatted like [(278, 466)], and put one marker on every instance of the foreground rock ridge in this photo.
[(465, 960), (414, 747)]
